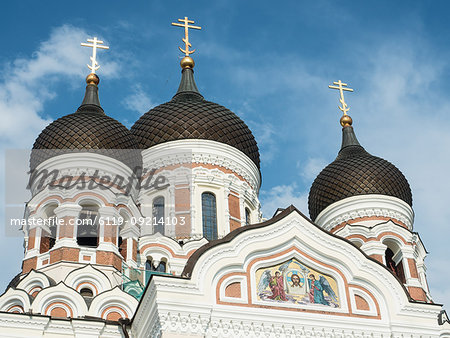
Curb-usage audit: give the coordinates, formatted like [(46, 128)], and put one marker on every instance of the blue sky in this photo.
[(270, 63)]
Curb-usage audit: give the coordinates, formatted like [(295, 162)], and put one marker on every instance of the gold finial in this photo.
[(187, 62), (186, 26), (346, 120), (92, 79), (94, 44)]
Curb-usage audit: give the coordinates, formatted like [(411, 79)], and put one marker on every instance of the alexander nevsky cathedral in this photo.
[(157, 231)]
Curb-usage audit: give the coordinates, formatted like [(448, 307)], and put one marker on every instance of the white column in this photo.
[(108, 216), (67, 210)]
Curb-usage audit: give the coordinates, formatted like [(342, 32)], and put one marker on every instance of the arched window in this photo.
[(397, 269), (158, 215), (85, 292), (209, 216), (247, 216), (87, 226)]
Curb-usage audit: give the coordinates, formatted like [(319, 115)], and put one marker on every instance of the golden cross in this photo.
[(340, 85), (94, 44), (186, 26)]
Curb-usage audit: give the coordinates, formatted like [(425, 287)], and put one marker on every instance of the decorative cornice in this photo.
[(203, 151), (365, 206)]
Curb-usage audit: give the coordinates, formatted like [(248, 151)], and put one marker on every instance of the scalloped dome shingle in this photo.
[(87, 129), (356, 172), (189, 116)]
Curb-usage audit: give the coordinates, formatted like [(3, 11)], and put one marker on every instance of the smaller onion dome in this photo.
[(189, 116), (88, 129), (355, 172)]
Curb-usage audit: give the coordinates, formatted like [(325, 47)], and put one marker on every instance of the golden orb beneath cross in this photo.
[(187, 62), (92, 79), (346, 121)]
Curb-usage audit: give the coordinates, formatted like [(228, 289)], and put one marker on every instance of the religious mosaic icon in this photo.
[(294, 282)]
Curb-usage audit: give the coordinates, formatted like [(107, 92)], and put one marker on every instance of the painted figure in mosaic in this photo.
[(296, 286), (317, 287), (277, 287), (316, 291)]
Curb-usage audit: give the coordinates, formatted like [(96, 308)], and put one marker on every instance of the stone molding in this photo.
[(203, 151), (365, 206)]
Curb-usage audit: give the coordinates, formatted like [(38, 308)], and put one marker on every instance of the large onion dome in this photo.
[(88, 129), (189, 116), (356, 172)]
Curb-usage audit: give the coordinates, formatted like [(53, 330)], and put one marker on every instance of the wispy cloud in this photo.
[(138, 101), (311, 168), (28, 83), (282, 196), (266, 136)]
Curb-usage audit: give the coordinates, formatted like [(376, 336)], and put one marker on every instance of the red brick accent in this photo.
[(114, 316), (58, 312), (45, 242), (86, 258), (233, 290), (123, 248), (109, 258), (417, 293), (361, 303), (66, 229), (134, 253), (379, 258), (183, 207), (64, 254), (109, 233), (28, 264), (31, 238), (412, 268), (182, 198), (234, 224), (45, 262), (233, 206)]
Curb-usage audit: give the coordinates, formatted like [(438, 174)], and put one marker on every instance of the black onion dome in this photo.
[(189, 116), (88, 129), (356, 172)]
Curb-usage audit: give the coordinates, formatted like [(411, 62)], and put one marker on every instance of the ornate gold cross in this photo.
[(341, 86), (94, 44), (186, 26)]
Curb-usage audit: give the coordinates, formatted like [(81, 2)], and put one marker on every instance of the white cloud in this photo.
[(138, 101), (266, 137), (311, 168), (281, 196), (27, 83)]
